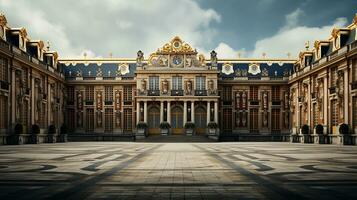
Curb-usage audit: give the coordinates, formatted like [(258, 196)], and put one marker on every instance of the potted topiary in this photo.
[(164, 128), (189, 128), (305, 129), (319, 129), (141, 128), (16, 137), (35, 130), (63, 133), (51, 135), (212, 128), (344, 129)]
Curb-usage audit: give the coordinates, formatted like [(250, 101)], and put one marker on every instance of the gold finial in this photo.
[(85, 55), (239, 54), (289, 54), (264, 54), (307, 45), (355, 19), (48, 45), (110, 55)]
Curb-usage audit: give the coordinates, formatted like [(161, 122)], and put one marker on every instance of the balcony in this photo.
[(276, 103), (108, 103), (4, 85), (89, 102), (332, 90), (254, 102), (176, 92), (153, 92), (354, 85), (200, 92)]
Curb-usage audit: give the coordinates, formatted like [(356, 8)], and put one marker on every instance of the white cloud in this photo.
[(292, 37), (118, 26)]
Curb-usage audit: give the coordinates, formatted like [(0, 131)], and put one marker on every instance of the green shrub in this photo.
[(52, 129), (344, 129), (319, 129), (189, 125), (305, 129), (165, 125), (35, 129), (212, 125), (18, 129), (141, 125)]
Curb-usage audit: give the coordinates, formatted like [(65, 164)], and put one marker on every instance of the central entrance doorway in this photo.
[(177, 120), (154, 120)]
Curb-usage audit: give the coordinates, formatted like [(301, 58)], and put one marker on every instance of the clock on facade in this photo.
[(177, 60)]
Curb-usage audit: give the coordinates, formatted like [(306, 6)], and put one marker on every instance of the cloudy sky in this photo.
[(250, 27)]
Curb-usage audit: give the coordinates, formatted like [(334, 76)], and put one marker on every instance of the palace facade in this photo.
[(109, 98)]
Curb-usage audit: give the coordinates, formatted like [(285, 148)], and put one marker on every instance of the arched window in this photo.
[(177, 117), (200, 117), (154, 117)]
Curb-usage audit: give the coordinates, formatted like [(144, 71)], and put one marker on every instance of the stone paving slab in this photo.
[(128, 170)]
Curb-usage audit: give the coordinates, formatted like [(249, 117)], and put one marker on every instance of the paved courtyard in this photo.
[(126, 170)]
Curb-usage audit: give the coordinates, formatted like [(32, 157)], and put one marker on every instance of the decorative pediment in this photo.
[(175, 46)]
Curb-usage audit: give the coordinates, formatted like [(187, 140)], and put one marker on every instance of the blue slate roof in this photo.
[(93, 69)]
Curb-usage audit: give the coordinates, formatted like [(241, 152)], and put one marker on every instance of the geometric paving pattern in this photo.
[(127, 170)]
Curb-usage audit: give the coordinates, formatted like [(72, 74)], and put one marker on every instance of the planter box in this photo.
[(308, 139), (62, 138), (335, 139), (164, 131), (18, 139), (51, 138), (296, 138), (140, 133), (189, 131)]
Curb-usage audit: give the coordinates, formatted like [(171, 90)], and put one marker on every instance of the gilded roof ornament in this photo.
[(176, 45), (317, 44), (334, 32), (355, 19), (3, 20)]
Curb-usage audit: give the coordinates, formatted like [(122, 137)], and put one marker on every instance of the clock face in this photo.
[(177, 60)]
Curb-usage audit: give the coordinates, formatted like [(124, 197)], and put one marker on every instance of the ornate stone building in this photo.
[(106, 98), (31, 82)]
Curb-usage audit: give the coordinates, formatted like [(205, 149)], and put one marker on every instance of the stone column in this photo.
[(168, 112), (193, 111), (137, 112), (325, 103), (216, 112), (298, 107), (161, 111), (33, 100), (145, 111), (346, 96), (184, 112), (13, 97), (49, 116), (208, 111)]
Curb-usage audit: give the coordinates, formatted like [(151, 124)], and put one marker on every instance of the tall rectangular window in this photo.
[(127, 119), (354, 70), (90, 120), (108, 93), (275, 93), (200, 83), (253, 120), (4, 112), (3, 70), (108, 120), (227, 93), (333, 76), (177, 83), (90, 93), (127, 98), (154, 83), (334, 113), (70, 95), (275, 120), (253, 93), (354, 113)]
